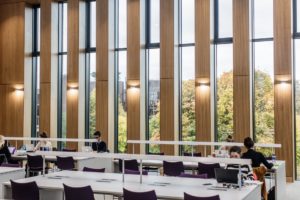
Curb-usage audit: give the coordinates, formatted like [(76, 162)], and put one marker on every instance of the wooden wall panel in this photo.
[(102, 60), (202, 58), (241, 70), (283, 92), (45, 108), (72, 117), (12, 43)]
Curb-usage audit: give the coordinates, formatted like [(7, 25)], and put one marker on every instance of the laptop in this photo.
[(229, 176), (12, 150)]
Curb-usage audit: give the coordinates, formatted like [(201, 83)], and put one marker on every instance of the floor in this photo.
[(293, 191)]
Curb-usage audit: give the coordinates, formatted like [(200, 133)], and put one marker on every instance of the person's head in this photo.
[(43, 135), (2, 141), (235, 152), (97, 135), (248, 143), (229, 138)]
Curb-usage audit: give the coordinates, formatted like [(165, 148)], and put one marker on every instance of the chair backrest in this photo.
[(129, 164), (158, 154), (72, 193), (208, 169), (35, 162), (194, 154), (65, 163), (128, 171), (69, 150), (244, 168), (10, 165), (190, 197), (25, 191), (130, 195), (87, 169), (184, 175), (173, 168)]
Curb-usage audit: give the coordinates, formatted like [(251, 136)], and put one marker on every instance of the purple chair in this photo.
[(72, 193), (194, 154), (25, 191), (34, 164), (128, 171), (87, 169), (10, 165), (190, 197), (129, 195), (69, 150), (173, 168), (129, 164), (65, 163), (184, 175), (208, 169), (158, 154)]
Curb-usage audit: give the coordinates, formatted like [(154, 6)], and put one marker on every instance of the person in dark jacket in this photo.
[(99, 146), (256, 157), (5, 155)]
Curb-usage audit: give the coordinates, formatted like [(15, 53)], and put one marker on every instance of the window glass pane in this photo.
[(298, 15), (38, 28), (188, 21), (225, 18), (224, 91), (37, 94), (92, 93), (297, 104), (122, 105), (93, 24), (64, 97), (263, 18), (264, 93), (188, 96), (153, 98), (154, 21), (122, 25), (65, 27)]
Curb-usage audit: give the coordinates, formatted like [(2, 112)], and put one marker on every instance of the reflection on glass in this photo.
[(64, 96), (65, 27), (37, 94), (154, 99), (263, 18), (224, 67), (122, 24), (297, 104), (188, 122), (38, 28), (92, 93), (188, 21), (93, 24), (264, 93), (225, 18), (122, 105), (154, 21)]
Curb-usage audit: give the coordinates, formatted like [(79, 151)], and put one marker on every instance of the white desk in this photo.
[(111, 184), (10, 173), (279, 174)]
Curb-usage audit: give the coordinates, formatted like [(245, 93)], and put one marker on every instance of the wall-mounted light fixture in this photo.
[(134, 86), (72, 87), (202, 84), (19, 91)]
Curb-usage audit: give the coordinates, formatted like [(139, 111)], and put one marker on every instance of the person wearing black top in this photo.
[(5, 155), (256, 157), (99, 146)]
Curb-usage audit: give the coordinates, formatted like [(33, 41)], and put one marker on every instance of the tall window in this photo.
[(91, 69), (263, 65), (187, 71), (153, 75), (121, 75), (62, 71), (223, 69), (36, 73)]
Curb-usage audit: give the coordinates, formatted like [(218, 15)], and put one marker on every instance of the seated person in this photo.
[(99, 146), (256, 157), (228, 139), (235, 152), (43, 145), (5, 155)]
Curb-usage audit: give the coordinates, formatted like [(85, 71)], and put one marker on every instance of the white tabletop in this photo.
[(165, 187), (47, 158), (4, 170)]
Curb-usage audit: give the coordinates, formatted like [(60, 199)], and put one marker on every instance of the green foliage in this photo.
[(92, 127), (122, 132)]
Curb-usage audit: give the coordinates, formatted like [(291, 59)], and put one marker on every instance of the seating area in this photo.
[(149, 99)]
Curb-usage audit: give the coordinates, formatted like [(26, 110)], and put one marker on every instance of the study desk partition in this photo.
[(51, 186)]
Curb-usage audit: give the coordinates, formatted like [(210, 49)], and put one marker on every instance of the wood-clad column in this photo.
[(202, 70), (167, 74), (133, 72), (241, 70), (283, 86), (48, 60)]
